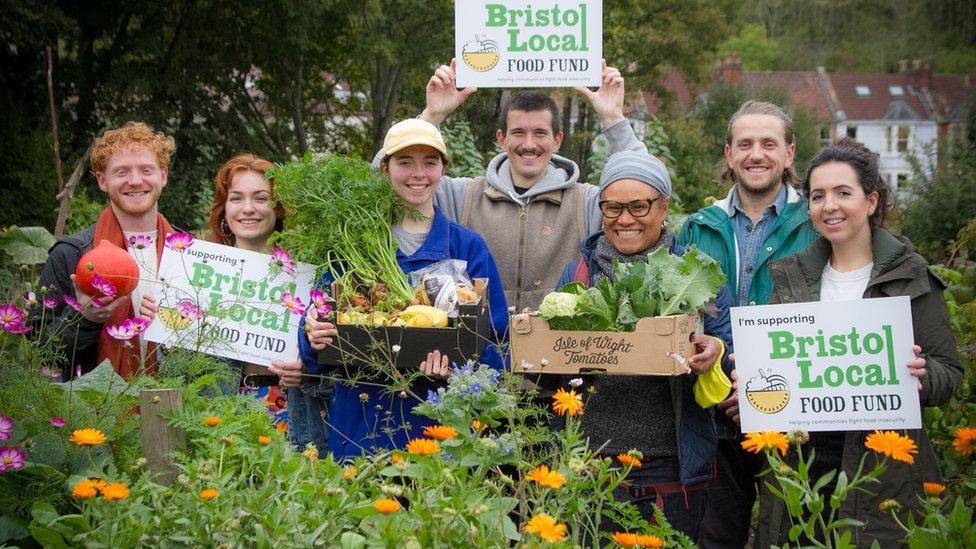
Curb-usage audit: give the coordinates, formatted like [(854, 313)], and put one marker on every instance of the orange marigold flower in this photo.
[(546, 528), (88, 488), (350, 473), (212, 421), (544, 476), (396, 457), (423, 446), (625, 539), (264, 440), (965, 441), (649, 541), (386, 506), (87, 437), (477, 425), (116, 490), (933, 489), (567, 402), (209, 493), (440, 432), (282, 426), (628, 459), (766, 440), (893, 445)]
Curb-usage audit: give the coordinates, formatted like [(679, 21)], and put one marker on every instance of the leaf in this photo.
[(352, 540), (690, 284), (27, 245), (12, 528), (103, 380)]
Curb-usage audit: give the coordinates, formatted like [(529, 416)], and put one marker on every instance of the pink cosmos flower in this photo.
[(57, 422), (140, 242), (22, 329), (103, 286), (281, 258), (11, 458), (30, 299), (321, 304), (178, 241), (190, 310), (6, 427), (121, 331), (293, 303), (11, 317), (72, 302), (50, 302), (55, 375), (137, 324)]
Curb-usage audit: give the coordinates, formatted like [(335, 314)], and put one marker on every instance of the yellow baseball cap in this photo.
[(413, 131)]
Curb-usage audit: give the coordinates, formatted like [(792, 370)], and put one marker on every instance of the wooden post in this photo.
[(159, 439)]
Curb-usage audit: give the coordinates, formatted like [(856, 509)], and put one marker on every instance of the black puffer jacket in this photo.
[(76, 336)]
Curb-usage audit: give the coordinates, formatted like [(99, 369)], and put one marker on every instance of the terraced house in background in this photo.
[(909, 112)]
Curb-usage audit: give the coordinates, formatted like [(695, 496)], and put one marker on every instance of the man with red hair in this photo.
[(131, 165)]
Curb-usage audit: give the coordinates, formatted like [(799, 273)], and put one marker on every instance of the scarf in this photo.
[(605, 254), (125, 358)]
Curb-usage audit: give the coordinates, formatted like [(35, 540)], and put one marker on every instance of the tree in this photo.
[(757, 52)]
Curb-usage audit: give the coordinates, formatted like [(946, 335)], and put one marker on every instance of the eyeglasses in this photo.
[(637, 208)]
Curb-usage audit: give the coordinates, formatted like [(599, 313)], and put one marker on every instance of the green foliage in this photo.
[(26, 245), (757, 52), (940, 201), (665, 284), (84, 210), (956, 528), (696, 164), (465, 160), (342, 213)]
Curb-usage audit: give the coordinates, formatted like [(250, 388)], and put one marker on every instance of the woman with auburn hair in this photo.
[(244, 213)]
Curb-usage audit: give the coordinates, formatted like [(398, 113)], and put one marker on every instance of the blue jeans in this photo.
[(308, 414)]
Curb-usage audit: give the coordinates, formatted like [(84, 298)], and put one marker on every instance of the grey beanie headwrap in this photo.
[(641, 166)]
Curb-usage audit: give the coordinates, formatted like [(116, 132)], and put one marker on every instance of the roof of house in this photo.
[(950, 94), (800, 87), (875, 96)]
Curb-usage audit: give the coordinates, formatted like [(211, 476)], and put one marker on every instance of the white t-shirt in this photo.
[(144, 252), (838, 286)]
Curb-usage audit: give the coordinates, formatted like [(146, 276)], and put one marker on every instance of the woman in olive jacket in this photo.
[(854, 258)]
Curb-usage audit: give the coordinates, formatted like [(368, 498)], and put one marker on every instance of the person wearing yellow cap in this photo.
[(414, 159)]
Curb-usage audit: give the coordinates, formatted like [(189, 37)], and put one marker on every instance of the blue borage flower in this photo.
[(433, 398)]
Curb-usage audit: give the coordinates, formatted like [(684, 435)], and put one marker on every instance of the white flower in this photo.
[(576, 382), (544, 362), (395, 348), (525, 365)]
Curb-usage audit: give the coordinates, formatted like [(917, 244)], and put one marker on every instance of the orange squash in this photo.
[(111, 263)]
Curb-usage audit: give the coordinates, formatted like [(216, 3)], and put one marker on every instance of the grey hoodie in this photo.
[(534, 235)]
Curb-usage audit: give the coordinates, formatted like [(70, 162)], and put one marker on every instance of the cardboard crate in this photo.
[(641, 352), (359, 345)]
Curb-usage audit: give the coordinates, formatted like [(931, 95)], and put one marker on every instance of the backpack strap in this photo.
[(582, 272)]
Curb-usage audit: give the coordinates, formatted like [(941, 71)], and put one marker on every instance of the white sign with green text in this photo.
[(528, 43), (228, 302), (832, 366)]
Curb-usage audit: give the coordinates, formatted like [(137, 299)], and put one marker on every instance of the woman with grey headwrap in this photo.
[(656, 415)]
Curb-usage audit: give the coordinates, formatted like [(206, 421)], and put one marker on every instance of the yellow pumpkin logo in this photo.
[(480, 54), (768, 392)]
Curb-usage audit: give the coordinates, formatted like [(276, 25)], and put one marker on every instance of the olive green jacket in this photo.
[(898, 271)]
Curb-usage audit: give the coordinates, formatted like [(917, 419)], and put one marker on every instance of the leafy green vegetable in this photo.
[(340, 214), (665, 284)]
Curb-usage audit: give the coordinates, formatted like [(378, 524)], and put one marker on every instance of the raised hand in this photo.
[(443, 97), (608, 100)]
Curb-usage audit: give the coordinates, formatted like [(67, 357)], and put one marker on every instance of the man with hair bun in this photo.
[(131, 165), (763, 218)]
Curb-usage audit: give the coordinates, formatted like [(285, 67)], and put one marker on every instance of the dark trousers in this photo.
[(682, 507), (731, 496)]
